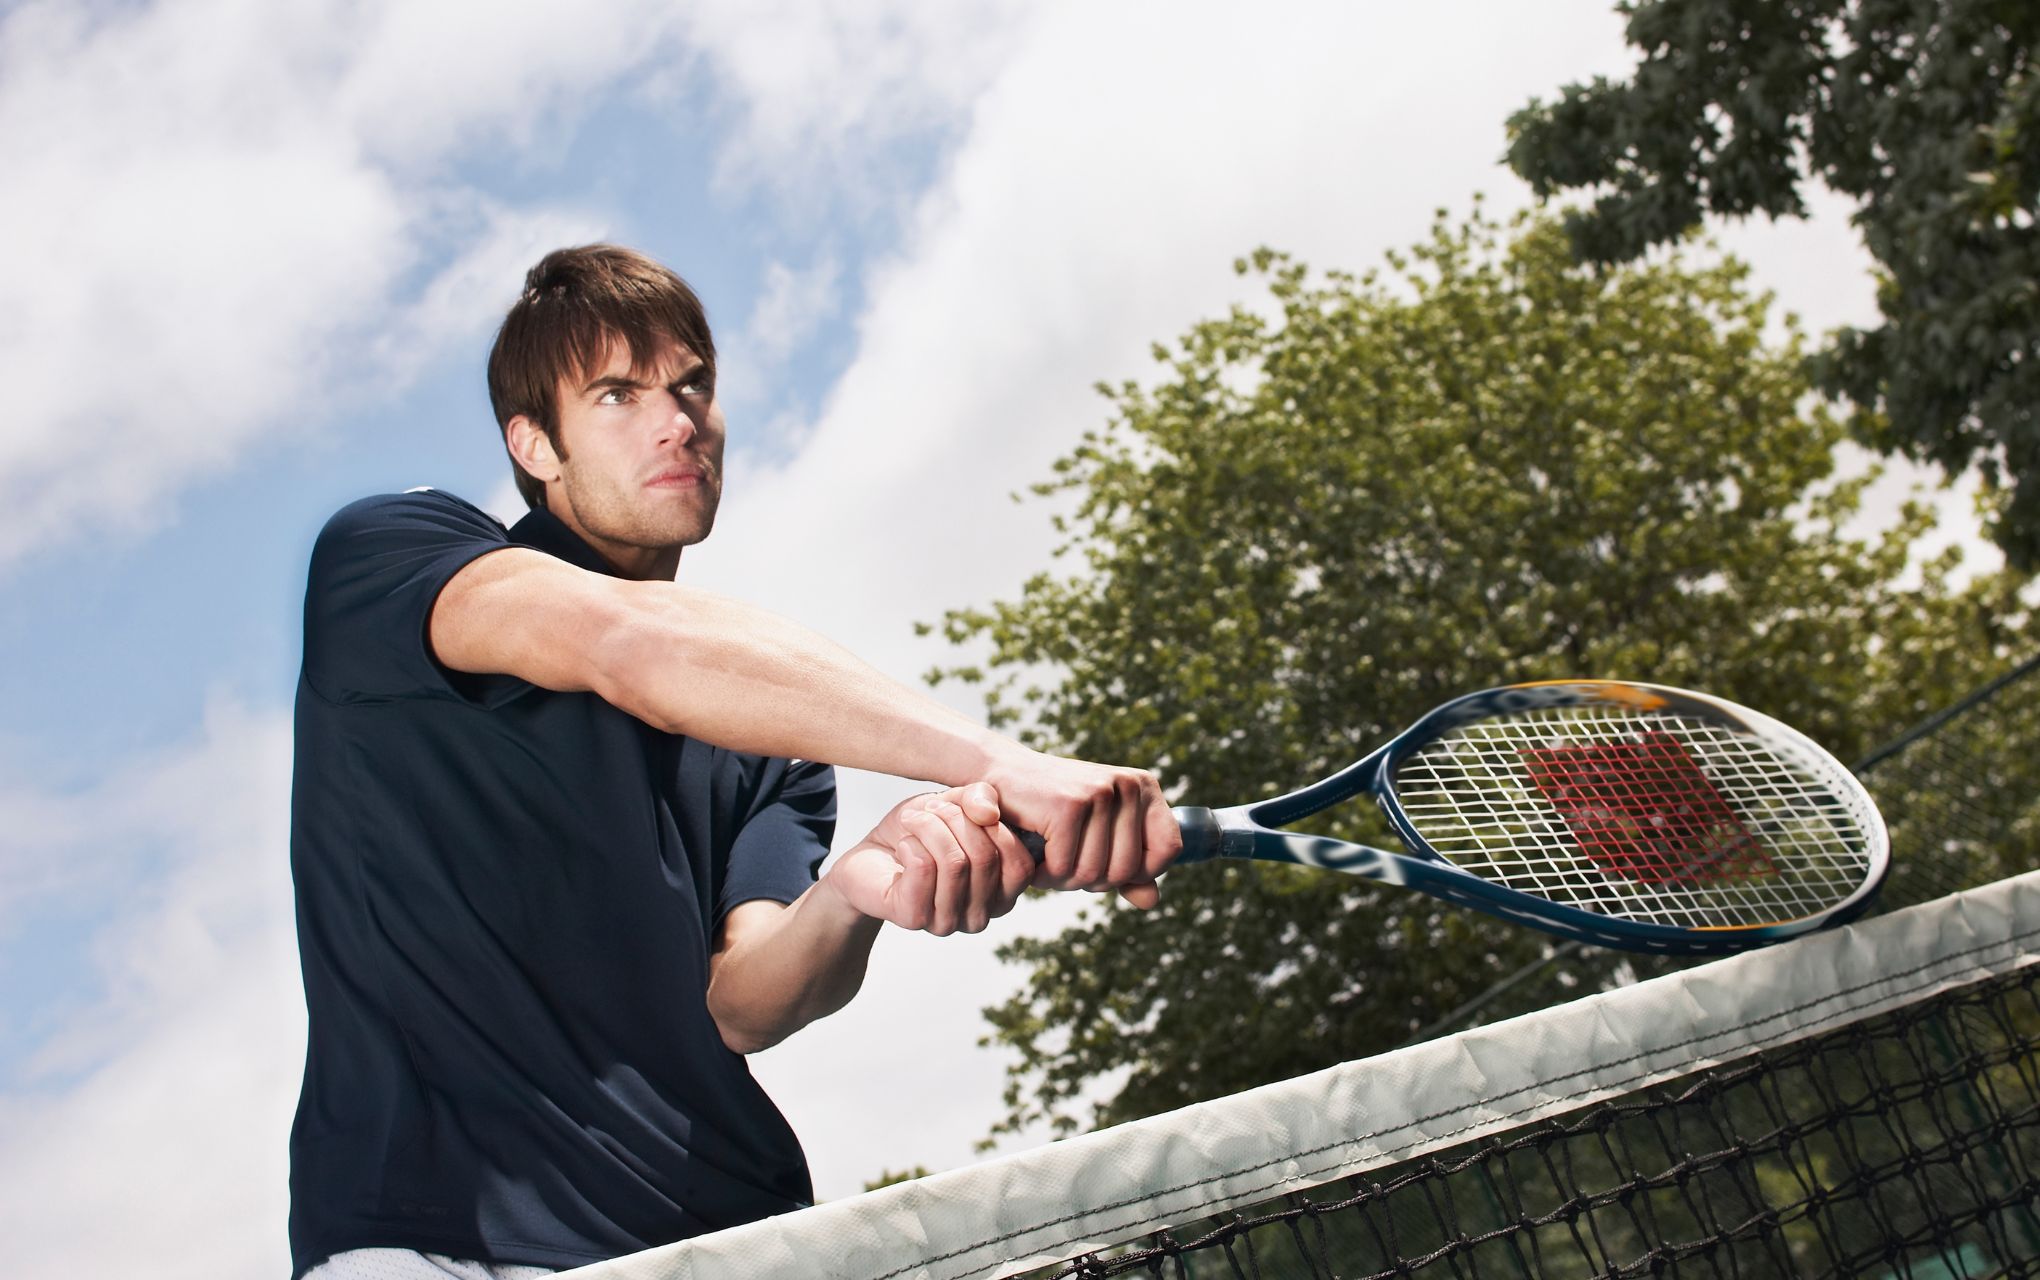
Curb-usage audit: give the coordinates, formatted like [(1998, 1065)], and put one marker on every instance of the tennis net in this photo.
[(1864, 1102)]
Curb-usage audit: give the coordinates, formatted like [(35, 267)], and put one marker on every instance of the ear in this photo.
[(532, 451)]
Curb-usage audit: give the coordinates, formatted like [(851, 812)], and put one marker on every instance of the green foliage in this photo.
[(1961, 798), (1367, 496), (1927, 112)]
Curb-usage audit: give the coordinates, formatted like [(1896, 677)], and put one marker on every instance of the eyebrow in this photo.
[(630, 382)]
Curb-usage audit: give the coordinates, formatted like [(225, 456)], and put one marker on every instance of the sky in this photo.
[(254, 255)]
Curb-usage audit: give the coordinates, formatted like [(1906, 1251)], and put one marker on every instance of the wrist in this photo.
[(997, 757), (836, 898)]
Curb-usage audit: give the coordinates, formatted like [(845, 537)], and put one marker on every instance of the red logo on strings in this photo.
[(1644, 810)]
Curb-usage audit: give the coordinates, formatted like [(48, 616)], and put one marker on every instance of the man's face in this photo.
[(639, 471)]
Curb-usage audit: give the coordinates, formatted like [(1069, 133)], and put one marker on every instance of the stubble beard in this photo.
[(621, 520)]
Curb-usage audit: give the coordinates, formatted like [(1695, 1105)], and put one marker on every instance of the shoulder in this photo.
[(388, 529), (377, 571), (421, 509)]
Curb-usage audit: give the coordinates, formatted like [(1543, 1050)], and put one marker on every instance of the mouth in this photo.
[(680, 477)]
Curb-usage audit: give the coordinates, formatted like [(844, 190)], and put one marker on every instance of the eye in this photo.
[(700, 383), (614, 395)]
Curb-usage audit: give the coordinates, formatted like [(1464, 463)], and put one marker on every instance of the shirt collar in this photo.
[(544, 531)]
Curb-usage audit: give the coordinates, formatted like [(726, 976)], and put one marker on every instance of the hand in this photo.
[(940, 862), (1103, 827)]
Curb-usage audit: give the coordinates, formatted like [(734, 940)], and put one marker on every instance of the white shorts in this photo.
[(403, 1264)]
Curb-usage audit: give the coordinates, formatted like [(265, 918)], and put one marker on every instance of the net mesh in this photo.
[(1903, 1145)]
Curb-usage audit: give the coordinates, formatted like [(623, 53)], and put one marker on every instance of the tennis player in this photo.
[(557, 821)]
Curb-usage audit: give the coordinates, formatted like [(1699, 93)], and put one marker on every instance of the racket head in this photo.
[(1665, 816)]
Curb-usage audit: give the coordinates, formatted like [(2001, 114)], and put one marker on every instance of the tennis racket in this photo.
[(1625, 815)]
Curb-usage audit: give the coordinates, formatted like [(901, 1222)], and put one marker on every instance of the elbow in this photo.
[(740, 1032), (745, 1042)]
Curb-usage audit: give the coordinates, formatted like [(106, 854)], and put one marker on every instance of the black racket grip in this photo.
[(1203, 838)]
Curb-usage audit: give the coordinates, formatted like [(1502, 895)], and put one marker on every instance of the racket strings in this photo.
[(1658, 818)]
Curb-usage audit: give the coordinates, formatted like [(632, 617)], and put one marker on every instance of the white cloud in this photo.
[(496, 247), (149, 1136), (220, 205), (425, 78), (793, 303), (819, 88)]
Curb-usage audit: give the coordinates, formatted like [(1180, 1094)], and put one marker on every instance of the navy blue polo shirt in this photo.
[(506, 899)]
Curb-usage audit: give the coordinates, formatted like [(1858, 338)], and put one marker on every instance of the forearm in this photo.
[(719, 670), (804, 963), (727, 673)]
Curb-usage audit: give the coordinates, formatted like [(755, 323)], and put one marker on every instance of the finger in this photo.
[(911, 895), (1164, 834), (950, 901), (1062, 849), (981, 902), (1142, 896), (1129, 833), (1016, 866), (1094, 863)]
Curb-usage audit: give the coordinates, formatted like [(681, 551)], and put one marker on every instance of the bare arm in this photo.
[(688, 661), (942, 863), (691, 662)]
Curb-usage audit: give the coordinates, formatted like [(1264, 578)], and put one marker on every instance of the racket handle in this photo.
[(1203, 839)]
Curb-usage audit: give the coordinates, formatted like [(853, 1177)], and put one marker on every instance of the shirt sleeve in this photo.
[(377, 569), (784, 838)]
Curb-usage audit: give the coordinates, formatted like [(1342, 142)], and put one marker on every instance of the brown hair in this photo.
[(575, 303)]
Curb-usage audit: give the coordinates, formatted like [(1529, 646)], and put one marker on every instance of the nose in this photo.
[(678, 426)]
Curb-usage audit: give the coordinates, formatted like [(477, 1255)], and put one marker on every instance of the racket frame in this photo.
[(1249, 831)]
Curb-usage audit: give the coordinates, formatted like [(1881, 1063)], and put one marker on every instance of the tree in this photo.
[(1926, 112), (1491, 465)]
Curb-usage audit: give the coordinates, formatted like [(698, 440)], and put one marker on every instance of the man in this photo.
[(556, 823)]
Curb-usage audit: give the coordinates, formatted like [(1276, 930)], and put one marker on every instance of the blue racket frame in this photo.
[(1248, 831)]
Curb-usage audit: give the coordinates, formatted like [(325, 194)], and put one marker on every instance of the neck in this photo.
[(638, 563), (641, 564)]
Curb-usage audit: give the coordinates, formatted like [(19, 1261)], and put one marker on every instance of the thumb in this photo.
[(979, 802), (1142, 896)]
